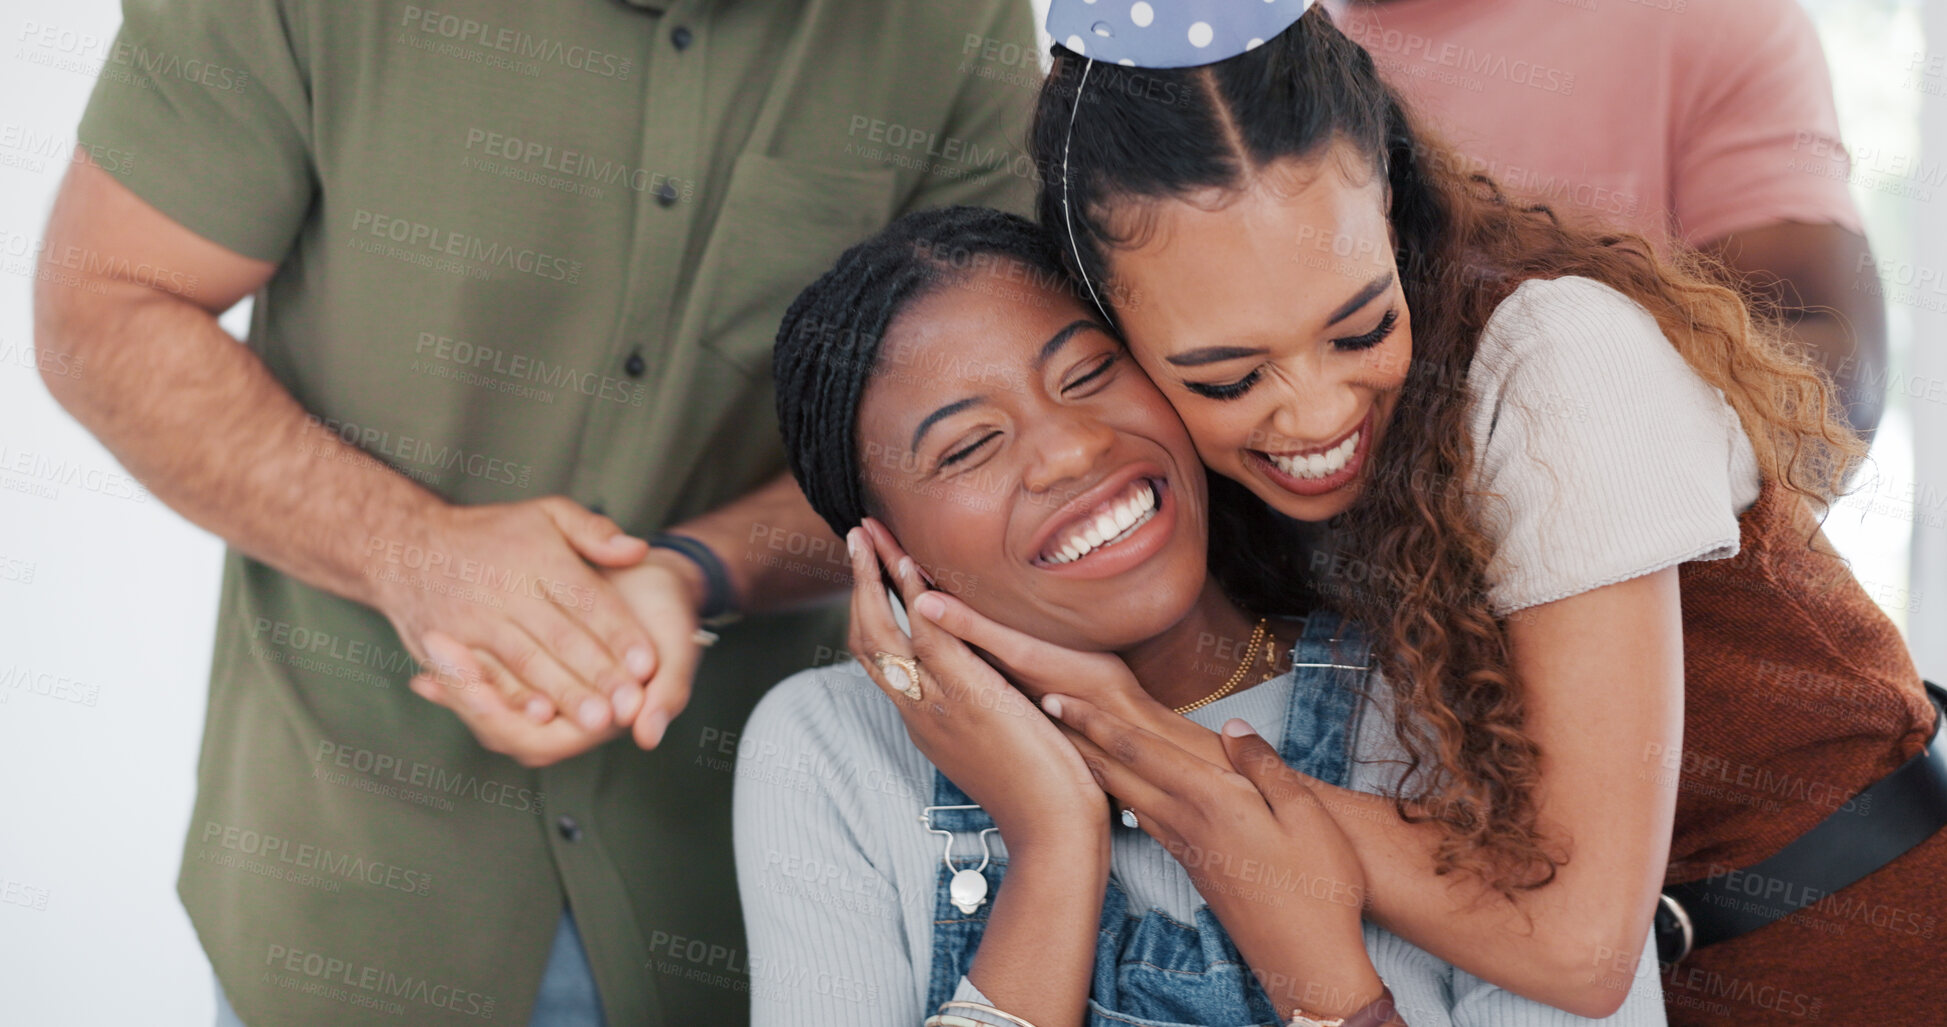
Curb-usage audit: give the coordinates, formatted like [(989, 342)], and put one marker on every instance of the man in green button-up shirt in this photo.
[(501, 250)]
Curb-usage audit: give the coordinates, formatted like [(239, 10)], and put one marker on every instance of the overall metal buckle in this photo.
[(967, 888)]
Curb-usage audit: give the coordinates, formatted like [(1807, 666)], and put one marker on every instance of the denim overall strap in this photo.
[(1152, 970), (1330, 663), (956, 935)]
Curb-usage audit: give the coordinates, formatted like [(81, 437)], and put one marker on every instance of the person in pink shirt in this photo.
[(1707, 123)]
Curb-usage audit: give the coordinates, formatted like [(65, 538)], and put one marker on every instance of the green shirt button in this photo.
[(634, 365), (568, 828), (680, 37)]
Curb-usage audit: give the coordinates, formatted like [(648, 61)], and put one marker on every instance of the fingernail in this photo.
[(621, 538), (1051, 703), (1238, 727), (639, 660), (905, 566), (852, 545), (627, 700), (593, 713), (539, 709), (930, 606), (654, 725)]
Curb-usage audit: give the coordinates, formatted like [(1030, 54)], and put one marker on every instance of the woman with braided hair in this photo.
[(1571, 487), (915, 838)]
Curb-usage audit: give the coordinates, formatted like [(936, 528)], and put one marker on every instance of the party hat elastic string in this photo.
[(1068, 219), (1169, 34)]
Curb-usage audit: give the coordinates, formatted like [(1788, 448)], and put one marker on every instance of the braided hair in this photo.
[(829, 342), (828, 347)]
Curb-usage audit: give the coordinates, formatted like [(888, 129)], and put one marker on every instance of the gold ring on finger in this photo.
[(907, 680)]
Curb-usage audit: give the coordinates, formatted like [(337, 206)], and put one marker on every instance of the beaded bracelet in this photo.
[(963, 1021), (1373, 1014)]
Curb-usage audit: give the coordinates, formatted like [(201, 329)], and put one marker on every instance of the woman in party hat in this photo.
[(1571, 487)]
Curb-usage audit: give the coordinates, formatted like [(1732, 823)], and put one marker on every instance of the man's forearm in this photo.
[(776, 549), (200, 421), (1856, 360), (1822, 281)]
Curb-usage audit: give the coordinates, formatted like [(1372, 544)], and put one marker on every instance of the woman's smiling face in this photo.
[(1026, 463), (1273, 320)]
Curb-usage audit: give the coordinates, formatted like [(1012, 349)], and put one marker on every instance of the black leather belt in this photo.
[(1874, 828)]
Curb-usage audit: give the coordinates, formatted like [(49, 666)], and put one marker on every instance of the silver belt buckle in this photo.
[(1681, 917)]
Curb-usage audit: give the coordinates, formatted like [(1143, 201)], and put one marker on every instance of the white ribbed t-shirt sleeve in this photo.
[(1601, 455), (827, 942)]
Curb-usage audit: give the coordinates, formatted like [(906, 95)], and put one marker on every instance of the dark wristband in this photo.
[(719, 599)]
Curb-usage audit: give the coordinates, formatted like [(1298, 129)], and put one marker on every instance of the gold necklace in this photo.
[(1259, 636)]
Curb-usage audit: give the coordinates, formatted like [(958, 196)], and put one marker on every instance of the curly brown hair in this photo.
[(1462, 247)]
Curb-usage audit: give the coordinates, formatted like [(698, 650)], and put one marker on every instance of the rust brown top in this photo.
[(1798, 692)]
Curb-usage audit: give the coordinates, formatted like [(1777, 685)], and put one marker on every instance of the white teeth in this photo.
[(1318, 465), (1111, 526)]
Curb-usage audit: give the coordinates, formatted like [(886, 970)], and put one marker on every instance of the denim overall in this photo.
[(1153, 970)]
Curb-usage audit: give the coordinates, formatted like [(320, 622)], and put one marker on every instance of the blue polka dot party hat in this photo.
[(1168, 33)]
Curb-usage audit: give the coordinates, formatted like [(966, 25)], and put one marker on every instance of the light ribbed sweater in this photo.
[(838, 877)]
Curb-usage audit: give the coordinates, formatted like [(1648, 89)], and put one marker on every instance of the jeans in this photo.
[(567, 997)]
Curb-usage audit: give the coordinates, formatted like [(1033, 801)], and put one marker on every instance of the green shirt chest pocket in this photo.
[(782, 224)]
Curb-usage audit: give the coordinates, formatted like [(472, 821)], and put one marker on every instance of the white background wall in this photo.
[(119, 600), (112, 598)]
